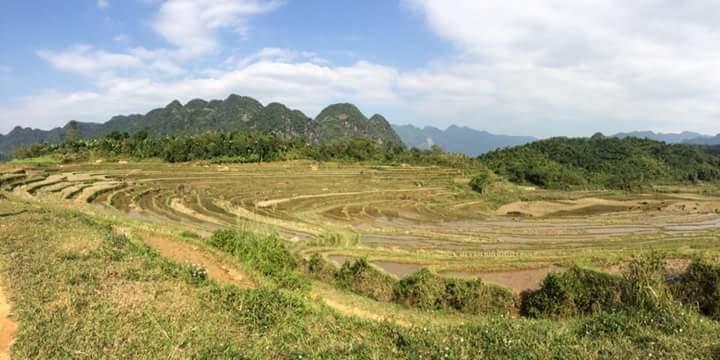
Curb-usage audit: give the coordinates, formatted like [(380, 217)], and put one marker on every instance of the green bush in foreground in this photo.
[(427, 291), (574, 292), (699, 287), (422, 290), (581, 292), (266, 254), (320, 269), (361, 278)]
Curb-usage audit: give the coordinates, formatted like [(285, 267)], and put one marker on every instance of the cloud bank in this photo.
[(538, 67)]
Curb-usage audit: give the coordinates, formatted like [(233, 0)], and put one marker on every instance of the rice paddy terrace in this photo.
[(401, 218)]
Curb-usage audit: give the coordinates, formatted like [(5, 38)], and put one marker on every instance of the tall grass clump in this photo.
[(427, 291), (699, 287), (265, 253), (363, 279)]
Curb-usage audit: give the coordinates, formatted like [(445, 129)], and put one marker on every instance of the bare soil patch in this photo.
[(8, 326), (518, 281), (181, 251)]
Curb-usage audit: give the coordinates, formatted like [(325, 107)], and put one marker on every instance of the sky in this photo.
[(522, 67)]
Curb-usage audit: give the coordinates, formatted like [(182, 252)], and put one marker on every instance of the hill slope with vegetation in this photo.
[(601, 162), (236, 113)]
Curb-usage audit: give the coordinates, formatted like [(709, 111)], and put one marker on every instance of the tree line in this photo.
[(240, 147)]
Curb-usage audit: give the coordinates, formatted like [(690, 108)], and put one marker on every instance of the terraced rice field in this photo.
[(401, 218)]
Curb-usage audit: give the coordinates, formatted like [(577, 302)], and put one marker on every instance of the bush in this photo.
[(266, 254), (421, 290), (476, 297), (361, 278), (319, 268), (481, 182), (699, 287), (427, 291), (574, 292)]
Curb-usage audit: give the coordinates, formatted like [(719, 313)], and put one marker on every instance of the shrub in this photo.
[(476, 297), (427, 291), (361, 278), (699, 287), (574, 292), (266, 254), (483, 181), (421, 290), (319, 268)]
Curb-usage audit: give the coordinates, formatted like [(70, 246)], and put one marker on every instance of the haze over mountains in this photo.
[(458, 139), (670, 138)]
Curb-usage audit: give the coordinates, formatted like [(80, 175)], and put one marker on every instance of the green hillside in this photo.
[(601, 162)]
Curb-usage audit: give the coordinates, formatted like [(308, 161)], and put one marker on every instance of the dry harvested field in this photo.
[(400, 218)]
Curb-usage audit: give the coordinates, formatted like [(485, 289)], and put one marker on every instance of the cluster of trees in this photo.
[(241, 146), (602, 162)]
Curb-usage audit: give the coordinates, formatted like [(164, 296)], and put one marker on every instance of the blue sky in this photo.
[(530, 67)]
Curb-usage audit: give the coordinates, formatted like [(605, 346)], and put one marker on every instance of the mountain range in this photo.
[(234, 113), (335, 122), (708, 140), (458, 139), (670, 138)]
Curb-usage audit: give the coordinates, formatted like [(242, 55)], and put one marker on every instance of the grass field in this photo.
[(119, 259)]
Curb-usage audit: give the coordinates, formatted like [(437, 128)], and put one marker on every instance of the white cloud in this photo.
[(540, 67), (84, 59), (630, 64), (88, 61), (103, 4), (190, 25), (303, 85)]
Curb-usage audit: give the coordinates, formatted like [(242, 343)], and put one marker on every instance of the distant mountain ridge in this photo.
[(670, 138), (234, 113), (709, 140), (458, 139)]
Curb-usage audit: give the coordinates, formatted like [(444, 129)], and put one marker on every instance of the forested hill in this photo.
[(236, 113), (601, 162)]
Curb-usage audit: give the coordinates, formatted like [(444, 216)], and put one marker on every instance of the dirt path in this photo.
[(8, 327), (182, 251)]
